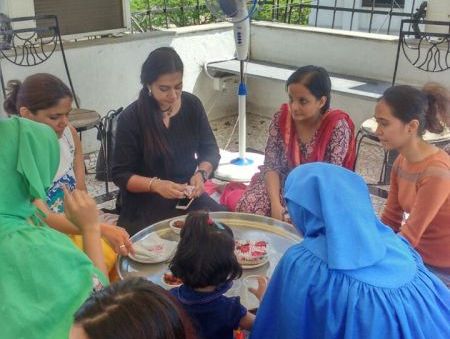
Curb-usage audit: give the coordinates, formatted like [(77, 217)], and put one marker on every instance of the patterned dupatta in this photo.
[(324, 133)]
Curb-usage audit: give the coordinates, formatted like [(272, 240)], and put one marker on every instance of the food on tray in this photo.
[(171, 280), (153, 249), (251, 252), (178, 224)]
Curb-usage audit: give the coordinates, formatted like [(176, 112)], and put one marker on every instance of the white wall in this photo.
[(348, 53), (343, 52), (17, 8), (266, 96), (438, 10), (106, 72)]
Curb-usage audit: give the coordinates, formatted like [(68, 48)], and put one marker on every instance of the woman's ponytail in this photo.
[(438, 111)]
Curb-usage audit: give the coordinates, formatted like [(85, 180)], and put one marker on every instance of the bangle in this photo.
[(150, 183)]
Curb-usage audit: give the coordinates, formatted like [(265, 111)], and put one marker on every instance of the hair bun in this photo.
[(12, 91), (437, 114)]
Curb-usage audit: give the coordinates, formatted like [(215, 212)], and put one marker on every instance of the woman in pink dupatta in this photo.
[(305, 130)]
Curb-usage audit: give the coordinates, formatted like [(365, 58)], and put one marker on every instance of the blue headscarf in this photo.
[(331, 206), (351, 277)]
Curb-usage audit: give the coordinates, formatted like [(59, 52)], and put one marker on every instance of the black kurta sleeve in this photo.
[(127, 158), (208, 149)]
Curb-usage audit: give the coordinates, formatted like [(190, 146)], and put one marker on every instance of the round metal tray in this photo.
[(279, 235)]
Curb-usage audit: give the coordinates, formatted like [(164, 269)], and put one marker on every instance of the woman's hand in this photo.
[(169, 189), (277, 211), (118, 238), (81, 210), (262, 287), (199, 185)]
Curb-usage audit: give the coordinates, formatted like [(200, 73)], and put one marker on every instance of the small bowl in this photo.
[(174, 224), (167, 284)]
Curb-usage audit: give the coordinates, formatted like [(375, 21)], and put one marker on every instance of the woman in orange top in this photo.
[(420, 177)]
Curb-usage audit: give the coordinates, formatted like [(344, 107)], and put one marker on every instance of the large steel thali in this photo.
[(279, 235)]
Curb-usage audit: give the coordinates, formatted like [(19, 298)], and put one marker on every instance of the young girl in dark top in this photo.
[(206, 264)]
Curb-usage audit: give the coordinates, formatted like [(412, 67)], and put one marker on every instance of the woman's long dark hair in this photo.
[(430, 106), (164, 60), (134, 308)]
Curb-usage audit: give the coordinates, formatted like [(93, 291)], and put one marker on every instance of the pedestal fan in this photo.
[(241, 166)]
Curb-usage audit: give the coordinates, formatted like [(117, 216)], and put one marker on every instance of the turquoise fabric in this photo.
[(44, 277)]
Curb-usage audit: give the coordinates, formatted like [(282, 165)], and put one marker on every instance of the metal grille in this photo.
[(373, 15)]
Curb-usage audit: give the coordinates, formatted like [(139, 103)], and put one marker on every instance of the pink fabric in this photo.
[(231, 194), (210, 187)]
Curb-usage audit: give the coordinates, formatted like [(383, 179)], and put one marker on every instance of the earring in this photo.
[(149, 92)]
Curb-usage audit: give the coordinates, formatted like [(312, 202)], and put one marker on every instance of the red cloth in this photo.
[(325, 131)]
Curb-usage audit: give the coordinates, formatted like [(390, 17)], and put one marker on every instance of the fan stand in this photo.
[(243, 165)]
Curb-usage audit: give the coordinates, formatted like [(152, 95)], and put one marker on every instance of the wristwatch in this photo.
[(203, 173)]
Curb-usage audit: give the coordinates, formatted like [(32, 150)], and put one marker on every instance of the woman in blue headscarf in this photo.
[(351, 277)]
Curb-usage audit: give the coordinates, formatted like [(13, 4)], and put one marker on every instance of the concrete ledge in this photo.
[(328, 31), (366, 88)]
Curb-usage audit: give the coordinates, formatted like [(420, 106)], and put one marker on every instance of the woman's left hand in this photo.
[(119, 239), (199, 185)]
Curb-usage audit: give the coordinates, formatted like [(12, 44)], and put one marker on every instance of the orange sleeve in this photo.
[(393, 212), (433, 190)]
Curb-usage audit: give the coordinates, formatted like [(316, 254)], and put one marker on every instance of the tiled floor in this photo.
[(368, 164)]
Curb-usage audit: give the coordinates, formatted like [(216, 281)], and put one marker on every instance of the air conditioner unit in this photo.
[(438, 10), (77, 18)]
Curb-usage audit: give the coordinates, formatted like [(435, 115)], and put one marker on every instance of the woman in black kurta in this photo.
[(163, 143)]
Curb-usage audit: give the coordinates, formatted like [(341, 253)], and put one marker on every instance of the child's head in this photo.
[(131, 308), (205, 255)]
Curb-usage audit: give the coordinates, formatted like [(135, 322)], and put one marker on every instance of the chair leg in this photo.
[(382, 180), (361, 136)]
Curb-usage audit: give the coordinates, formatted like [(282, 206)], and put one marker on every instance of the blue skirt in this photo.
[(305, 299)]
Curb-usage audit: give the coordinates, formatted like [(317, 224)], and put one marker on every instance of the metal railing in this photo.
[(304, 12), (165, 16), (387, 14)]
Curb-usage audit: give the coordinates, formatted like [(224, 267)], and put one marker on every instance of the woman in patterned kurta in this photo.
[(305, 130)]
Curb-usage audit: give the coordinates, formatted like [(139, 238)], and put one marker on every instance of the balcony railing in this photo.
[(369, 16)]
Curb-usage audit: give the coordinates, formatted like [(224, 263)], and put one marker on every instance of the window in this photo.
[(82, 16), (384, 3)]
